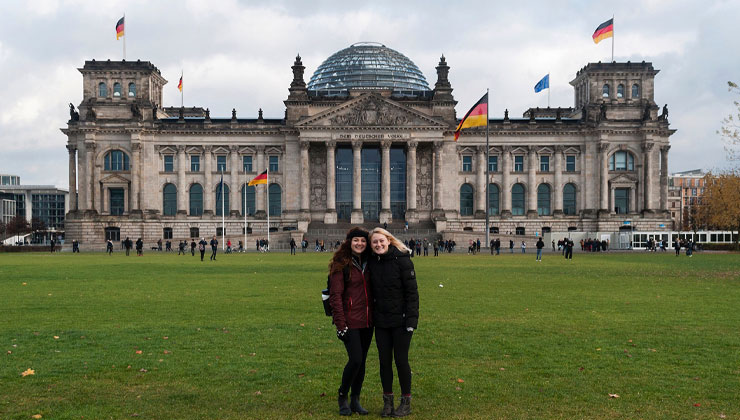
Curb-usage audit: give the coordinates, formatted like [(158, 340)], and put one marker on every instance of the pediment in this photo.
[(114, 179), (247, 150), (623, 179), (273, 150), (571, 150), (519, 150), (167, 150), (371, 110), (546, 150), (220, 150), (193, 150), (466, 150)]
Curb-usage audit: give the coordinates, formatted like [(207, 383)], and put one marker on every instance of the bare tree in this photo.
[(730, 130)]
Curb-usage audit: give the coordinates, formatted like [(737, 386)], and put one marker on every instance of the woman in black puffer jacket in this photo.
[(396, 314), (351, 305)]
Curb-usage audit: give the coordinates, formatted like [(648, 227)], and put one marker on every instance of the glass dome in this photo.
[(367, 65)]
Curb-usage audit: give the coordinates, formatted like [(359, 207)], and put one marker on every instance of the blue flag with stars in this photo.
[(542, 84)]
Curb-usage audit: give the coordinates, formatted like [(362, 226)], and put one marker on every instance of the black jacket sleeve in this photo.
[(410, 292)]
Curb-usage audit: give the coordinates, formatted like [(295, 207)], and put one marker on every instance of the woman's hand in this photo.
[(342, 333)]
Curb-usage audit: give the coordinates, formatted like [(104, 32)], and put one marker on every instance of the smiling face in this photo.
[(358, 245), (379, 243)]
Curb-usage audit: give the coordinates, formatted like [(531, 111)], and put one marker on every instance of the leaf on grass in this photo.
[(167, 352), (457, 388), (28, 371), (252, 354), (460, 380), (24, 283), (613, 395), (323, 394), (165, 338), (303, 325), (138, 351), (142, 370), (300, 375), (697, 405), (501, 368), (598, 349), (36, 416), (10, 352), (258, 393), (56, 337)]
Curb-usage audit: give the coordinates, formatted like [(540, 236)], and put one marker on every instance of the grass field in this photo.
[(168, 337)]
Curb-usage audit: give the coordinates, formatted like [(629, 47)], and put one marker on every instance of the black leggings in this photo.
[(394, 343), (357, 344)]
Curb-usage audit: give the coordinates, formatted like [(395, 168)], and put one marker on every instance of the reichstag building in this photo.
[(366, 141)]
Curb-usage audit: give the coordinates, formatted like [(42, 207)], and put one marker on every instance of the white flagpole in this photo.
[(182, 91), (488, 174), (612, 38), (548, 89), (245, 211), (267, 188), (125, 31), (223, 213)]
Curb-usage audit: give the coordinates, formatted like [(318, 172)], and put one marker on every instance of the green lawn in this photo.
[(245, 337)]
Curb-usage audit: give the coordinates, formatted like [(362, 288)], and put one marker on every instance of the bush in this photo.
[(28, 248), (719, 247)]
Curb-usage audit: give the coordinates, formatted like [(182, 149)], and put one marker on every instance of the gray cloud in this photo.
[(237, 54)]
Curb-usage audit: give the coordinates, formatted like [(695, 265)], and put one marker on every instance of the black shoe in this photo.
[(355, 405), (344, 409), (388, 410), (404, 409)]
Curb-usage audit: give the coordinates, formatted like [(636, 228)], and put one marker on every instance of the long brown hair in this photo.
[(343, 255)]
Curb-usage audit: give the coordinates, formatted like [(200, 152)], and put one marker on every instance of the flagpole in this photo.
[(182, 89), (488, 175), (612, 38), (548, 89), (245, 211), (124, 36), (267, 190), (223, 213)]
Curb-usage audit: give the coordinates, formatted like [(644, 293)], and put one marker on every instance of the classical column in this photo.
[(604, 178), (385, 182), (305, 187), (505, 182), (72, 178), (234, 190), (633, 203), (331, 183), (664, 177), (411, 214), (357, 216), (612, 200), (558, 187), (480, 183), (647, 149), (438, 211), (259, 193), (90, 171), (208, 199), (532, 182), (182, 193), (84, 178)]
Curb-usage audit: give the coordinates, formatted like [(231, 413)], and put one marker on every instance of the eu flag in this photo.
[(542, 84)]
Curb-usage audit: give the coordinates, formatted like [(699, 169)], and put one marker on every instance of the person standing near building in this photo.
[(292, 246), (202, 247), (568, 246), (524, 247), (192, 247), (426, 247), (127, 244), (511, 245), (139, 247), (540, 244), (677, 246), (214, 248), (159, 244), (351, 300), (396, 314)]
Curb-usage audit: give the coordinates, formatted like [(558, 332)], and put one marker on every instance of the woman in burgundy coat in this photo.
[(351, 304)]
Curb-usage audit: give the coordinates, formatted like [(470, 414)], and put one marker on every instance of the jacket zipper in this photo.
[(367, 302)]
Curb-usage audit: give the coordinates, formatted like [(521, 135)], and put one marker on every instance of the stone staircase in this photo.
[(337, 232)]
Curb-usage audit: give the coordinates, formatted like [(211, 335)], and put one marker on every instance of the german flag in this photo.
[(476, 117), (179, 85), (604, 31), (119, 28), (259, 179)]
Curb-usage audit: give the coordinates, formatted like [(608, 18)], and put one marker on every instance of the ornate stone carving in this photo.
[(386, 144), (73, 115), (305, 145), (648, 146), (356, 144), (180, 148), (665, 149), (412, 144), (481, 149), (260, 148), (603, 147), (424, 179), (233, 148), (317, 165), (207, 148), (371, 112), (331, 144)]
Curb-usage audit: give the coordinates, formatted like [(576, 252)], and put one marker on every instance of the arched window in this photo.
[(102, 90), (116, 160), (605, 90), (569, 199), (466, 200), (116, 89), (493, 197), (620, 91), (622, 161), (543, 200), (132, 89), (517, 200), (249, 191), (222, 199), (169, 200), (635, 90), (196, 200), (276, 200)]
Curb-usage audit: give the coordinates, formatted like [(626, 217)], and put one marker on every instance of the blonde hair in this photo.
[(392, 239)]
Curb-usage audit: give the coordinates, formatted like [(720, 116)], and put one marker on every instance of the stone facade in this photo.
[(138, 168)]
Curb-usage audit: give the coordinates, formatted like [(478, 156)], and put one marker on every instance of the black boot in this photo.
[(344, 409), (404, 409), (387, 406), (354, 404)]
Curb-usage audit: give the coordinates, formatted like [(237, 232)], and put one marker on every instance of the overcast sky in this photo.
[(237, 54)]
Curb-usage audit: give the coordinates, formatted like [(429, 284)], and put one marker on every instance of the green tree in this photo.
[(18, 226), (730, 130)]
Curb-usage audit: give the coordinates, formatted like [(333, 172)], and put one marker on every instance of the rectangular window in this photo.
[(544, 163), (116, 201), (621, 200), (493, 163), (167, 233), (519, 163), (219, 232), (221, 163), (169, 163), (570, 163), (274, 167), (467, 164), (194, 163), (247, 163), (693, 191), (194, 232)]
